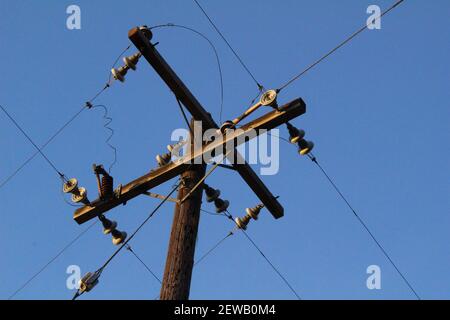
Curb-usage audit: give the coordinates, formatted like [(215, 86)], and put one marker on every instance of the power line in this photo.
[(265, 257), (67, 246), (273, 266), (314, 159), (212, 213), (184, 115), (143, 263), (277, 136), (115, 62), (336, 48), (107, 85), (61, 175), (361, 221), (260, 87), (13, 174), (219, 67), (108, 121), (213, 248)]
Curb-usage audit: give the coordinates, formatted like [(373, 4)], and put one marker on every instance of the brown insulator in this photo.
[(107, 187)]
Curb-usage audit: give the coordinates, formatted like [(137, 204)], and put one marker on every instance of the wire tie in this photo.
[(260, 87), (62, 176)]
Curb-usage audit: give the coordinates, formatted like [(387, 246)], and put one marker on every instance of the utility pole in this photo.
[(180, 256)]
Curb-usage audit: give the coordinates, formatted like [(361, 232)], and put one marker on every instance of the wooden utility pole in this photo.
[(180, 256)]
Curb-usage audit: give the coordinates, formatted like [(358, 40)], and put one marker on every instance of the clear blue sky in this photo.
[(378, 111)]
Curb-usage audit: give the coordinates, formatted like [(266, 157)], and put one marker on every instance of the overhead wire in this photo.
[(219, 66), (15, 172), (365, 226), (340, 45), (212, 213), (143, 263), (277, 271), (207, 253), (53, 259), (106, 125), (115, 62), (183, 113), (313, 158), (259, 85), (18, 126)]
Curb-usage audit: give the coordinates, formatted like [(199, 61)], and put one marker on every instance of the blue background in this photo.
[(377, 110)]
